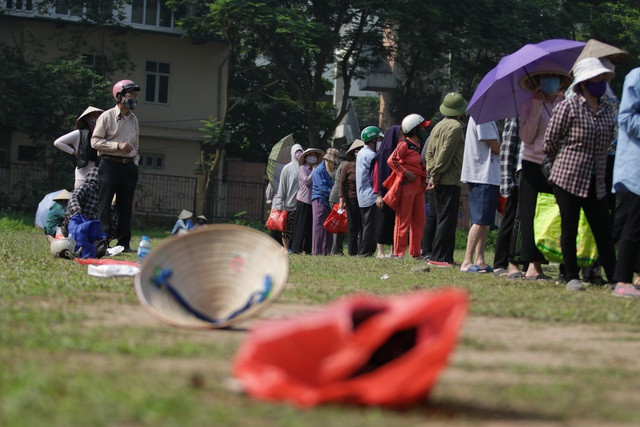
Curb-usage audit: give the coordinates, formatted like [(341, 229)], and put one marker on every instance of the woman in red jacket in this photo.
[(410, 172)]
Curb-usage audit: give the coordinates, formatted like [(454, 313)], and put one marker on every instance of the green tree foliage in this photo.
[(300, 40), (43, 98)]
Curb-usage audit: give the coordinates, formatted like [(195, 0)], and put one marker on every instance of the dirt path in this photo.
[(491, 346)]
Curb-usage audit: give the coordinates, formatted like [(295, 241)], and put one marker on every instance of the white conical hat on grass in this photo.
[(215, 276)]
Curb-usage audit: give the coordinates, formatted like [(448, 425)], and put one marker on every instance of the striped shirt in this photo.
[(576, 142)]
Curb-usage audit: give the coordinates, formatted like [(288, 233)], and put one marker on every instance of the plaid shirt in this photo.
[(510, 156), (84, 200), (576, 143)]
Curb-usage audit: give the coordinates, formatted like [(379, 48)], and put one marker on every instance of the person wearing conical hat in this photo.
[(56, 214), (183, 224), (322, 178), (78, 144), (301, 239), (349, 199), (201, 220)]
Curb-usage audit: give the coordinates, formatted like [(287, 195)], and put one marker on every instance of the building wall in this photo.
[(197, 86)]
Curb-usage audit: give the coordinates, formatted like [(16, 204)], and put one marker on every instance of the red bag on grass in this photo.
[(362, 349), (336, 222), (277, 220)]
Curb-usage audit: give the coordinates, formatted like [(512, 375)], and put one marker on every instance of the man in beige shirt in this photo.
[(116, 139)]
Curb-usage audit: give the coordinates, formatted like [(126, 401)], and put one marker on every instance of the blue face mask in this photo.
[(596, 89), (549, 85)]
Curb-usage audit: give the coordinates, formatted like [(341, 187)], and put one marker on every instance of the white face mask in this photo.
[(311, 159)]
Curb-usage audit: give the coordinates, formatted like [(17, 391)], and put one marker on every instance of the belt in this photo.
[(118, 159)]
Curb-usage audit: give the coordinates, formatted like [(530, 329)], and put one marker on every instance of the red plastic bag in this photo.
[(336, 222), (277, 220), (502, 204), (363, 349)]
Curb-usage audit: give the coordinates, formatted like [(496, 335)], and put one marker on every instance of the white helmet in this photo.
[(62, 247), (413, 120)]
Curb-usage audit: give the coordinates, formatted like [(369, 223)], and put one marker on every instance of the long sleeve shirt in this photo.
[(510, 156), (304, 184), (576, 143), (111, 128), (534, 119), (55, 217), (364, 189), (406, 157), (334, 197), (626, 173), (347, 187), (445, 152), (322, 184)]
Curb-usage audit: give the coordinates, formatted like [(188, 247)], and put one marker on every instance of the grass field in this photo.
[(78, 350)]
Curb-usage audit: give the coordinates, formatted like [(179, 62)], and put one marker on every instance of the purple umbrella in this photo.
[(498, 96)]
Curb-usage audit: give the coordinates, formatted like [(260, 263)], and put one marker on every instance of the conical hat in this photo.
[(214, 276), (597, 49), (86, 112), (185, 214), (62, 195)]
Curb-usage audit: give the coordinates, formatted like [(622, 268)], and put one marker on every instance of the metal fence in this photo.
[(23, 186), (164, 194), (237, 199)]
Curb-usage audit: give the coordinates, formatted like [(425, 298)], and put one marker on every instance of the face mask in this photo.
[(549, 85), (422, 134), (311, 159), (91, 121), (130, 103), (596, 89), (378, 145)]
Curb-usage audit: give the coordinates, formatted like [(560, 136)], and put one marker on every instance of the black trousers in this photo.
[(627, 233), (532, 182), (302, 230), (338, 241), (503, 255), (597, 213), (368, 241), (354, 223), (119, 179), (447, 204), (429, 230), (385, 223)]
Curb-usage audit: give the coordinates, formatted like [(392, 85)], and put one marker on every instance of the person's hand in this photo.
[(538, 94), (410, 176), (430, 186), (125, 146), (341, 203), (379, 202)]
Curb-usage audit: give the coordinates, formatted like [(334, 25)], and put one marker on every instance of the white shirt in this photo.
[(480, 165)]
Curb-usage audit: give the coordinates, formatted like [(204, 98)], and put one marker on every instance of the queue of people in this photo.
[(560, 144)]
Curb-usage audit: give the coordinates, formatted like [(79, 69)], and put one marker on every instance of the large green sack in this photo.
[(546, 228)]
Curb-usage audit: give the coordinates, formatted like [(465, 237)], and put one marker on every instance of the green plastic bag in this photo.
[(546, 228)]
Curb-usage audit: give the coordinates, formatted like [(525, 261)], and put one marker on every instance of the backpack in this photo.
[(86, 152)]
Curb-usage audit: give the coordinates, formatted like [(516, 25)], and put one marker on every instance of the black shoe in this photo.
[(128, 250), (101, 248)]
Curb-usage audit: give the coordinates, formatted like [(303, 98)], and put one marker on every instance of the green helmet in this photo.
[(369, 133)]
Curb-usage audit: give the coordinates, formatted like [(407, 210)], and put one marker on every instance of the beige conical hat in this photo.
[(62, 195), (597, 49), (214, 276), (86, 112), (185, 214)]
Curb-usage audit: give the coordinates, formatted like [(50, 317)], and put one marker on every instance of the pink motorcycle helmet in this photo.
[(123, 86)]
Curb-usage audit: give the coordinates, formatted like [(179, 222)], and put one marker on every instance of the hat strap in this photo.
[(161, 280)]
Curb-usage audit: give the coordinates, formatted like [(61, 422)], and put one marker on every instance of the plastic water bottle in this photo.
[(144, 248)]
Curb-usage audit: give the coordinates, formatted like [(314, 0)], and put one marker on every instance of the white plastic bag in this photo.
[(112, 270)]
